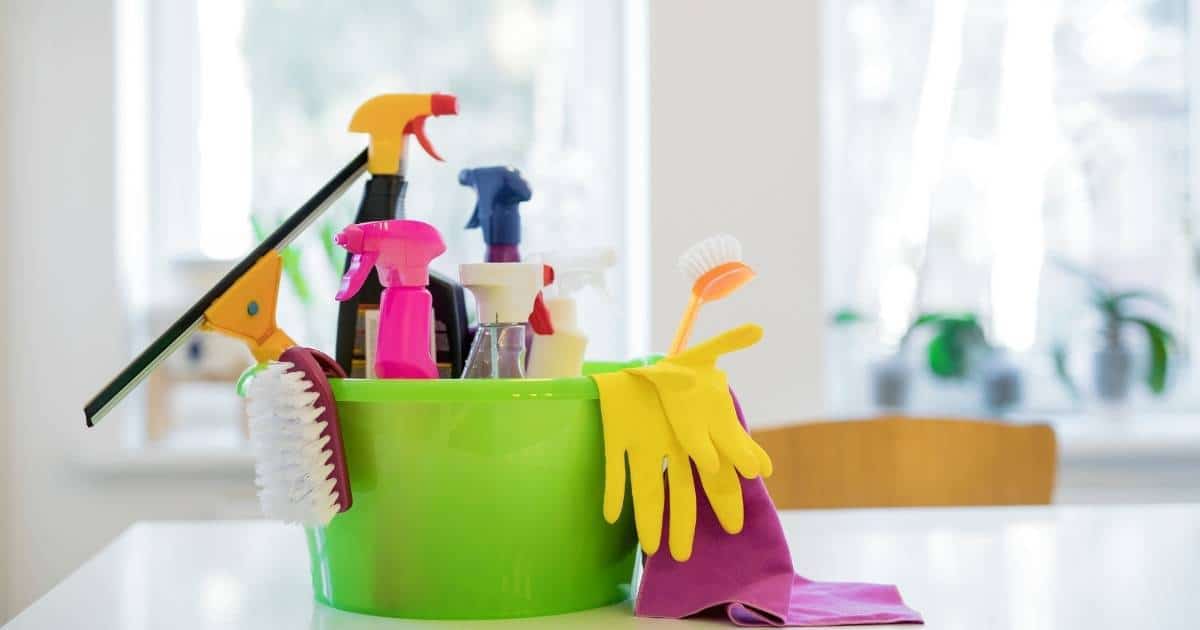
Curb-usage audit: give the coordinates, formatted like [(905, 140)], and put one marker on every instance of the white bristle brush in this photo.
[(299, 462), (715, 268)]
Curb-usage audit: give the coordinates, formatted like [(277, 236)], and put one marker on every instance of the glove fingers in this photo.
[(672, 383), (706, 352), (646, 478), (614, 482), (698, 446), (766, 467), (666, 377), (737, 447), (683, 507), (724, 492)]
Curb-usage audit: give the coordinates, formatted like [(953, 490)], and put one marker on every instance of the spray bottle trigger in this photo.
[(356, 275), (417, 128), (540, 320)]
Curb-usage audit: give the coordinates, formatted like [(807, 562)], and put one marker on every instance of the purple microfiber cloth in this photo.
[(749, 576)]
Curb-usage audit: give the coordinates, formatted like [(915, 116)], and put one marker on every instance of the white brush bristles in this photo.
[(708, 254), (291, 461)]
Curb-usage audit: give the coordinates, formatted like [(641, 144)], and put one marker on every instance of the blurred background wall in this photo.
[(63, 319), (742, 155), (7, 472)]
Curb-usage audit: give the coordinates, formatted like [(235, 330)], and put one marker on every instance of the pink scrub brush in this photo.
[(300, 463)]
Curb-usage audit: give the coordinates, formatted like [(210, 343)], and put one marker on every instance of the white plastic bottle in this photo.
[(561, 354), (504, 295)]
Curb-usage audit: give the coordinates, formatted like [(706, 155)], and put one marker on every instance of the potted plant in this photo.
[(956, 346), (1113, 362), (960, 350), (888, 376), (957, 350)]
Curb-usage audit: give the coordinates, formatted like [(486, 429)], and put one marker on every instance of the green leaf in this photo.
[(923, 319), (334, 254), (1106, 305), (290, 257), (291, 267), (1149, 296), (1094, 281), (950, 350), (260, 231), (1060, 369), (1162, 343), (942, 360), (846, 316)]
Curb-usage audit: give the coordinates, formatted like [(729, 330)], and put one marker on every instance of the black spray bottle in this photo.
[(389, 119)]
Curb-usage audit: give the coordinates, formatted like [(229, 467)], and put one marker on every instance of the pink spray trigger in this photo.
[(356, 275)]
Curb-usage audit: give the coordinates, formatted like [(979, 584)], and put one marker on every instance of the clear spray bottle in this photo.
[(504, 297), (560, 353)]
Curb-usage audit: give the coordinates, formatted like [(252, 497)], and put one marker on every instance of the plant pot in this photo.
[(1113, 372), (1001, 384), (891, 380)]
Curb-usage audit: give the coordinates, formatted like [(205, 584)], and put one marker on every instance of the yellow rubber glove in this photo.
[(636, 427), (700, 410)]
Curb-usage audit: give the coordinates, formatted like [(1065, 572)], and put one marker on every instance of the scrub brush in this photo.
[(300, 464), (715, 268)]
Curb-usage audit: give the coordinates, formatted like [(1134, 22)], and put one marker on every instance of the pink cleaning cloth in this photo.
[(748, 577)]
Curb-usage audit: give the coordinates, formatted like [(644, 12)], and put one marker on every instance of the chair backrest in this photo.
[(896, 461)]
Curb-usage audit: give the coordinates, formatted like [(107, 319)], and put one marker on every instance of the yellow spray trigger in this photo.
[(247, 310), (388, 118)]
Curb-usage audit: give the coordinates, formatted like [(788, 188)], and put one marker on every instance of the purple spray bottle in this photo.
[(499, 190)]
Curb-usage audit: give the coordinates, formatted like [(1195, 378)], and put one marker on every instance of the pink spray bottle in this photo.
[(400, 250)]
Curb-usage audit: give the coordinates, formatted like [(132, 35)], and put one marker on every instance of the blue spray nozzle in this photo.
[(499, 189)]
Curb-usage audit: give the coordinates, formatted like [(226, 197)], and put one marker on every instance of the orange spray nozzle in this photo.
[(390, 118)]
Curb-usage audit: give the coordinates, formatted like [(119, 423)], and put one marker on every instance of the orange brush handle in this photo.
[(685, 326)]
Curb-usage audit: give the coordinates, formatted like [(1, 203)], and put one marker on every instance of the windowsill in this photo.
[(1162, 437), (1100, 437), (219, 463), (1082, 438)]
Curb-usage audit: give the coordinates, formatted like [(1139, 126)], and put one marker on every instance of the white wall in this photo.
[(61, 264), (5, 465), (734, 96)]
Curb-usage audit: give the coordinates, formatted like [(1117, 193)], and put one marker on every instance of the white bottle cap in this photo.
[(562, 313), (577, 269), (504, 292)]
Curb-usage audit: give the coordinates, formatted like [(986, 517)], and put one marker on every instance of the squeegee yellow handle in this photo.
[(247, 310), (684, 331)]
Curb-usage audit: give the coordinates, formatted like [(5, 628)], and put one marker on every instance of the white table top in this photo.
[(1060, 568)]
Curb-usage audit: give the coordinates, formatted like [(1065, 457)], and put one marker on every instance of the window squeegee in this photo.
[(252, 274), (242, 304)]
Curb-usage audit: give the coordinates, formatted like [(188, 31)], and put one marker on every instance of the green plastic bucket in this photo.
[(475, 499)]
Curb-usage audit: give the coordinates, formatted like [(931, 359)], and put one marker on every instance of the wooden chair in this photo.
[(896, 461)]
